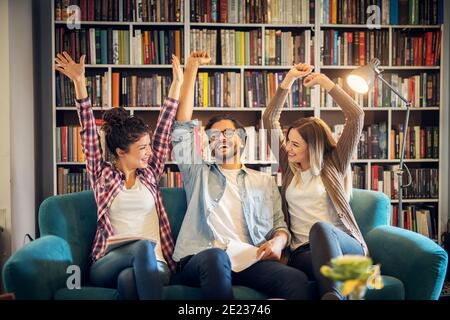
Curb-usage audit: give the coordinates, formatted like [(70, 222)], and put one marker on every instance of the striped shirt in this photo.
[(107, 181), (335, 164)]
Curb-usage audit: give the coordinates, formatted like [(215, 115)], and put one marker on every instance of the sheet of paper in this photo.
[(242, 255)]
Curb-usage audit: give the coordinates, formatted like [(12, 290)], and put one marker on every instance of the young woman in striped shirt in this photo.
[(127, 189)]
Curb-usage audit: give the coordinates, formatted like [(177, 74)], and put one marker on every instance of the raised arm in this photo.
[(161, 137), (90, 141), (183, 133), (187, 91), (271, 117), (354, 119)]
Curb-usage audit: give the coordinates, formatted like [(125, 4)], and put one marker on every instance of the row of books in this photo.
[(230, 47), (416, 48), (131, 90), (157, 46), (359, 177), (68, 182), (243, 48), (354, 47), (260, 87), (421, 89), (421, 142), (254, 11), (425, 182), (122, 10), (101, 46), (212, 89), (287, 48), (418, 218), (240, 47), (218, 89), (372, 143), (108, 46), (206, 40), (68, 144), (394, 12), (97, 87), (403, 12), (171, 179), (222, 89)]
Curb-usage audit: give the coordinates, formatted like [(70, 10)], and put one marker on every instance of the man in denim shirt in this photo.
[(227, 201)]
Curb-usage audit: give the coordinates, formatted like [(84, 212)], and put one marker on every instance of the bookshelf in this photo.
[(316, 28)]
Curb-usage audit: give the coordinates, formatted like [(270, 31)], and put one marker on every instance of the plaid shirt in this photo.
[(107, 181)]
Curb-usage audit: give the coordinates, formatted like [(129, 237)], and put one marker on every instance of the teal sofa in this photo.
[(413, 266)]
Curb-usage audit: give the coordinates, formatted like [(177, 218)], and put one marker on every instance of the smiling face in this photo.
[(138, 153), (297, 148), (224, 141)]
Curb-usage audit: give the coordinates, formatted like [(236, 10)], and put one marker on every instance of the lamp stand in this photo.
[(402, 151)]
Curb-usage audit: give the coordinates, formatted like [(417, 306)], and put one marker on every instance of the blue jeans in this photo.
[(211, 271), (325, 243), (133, 270)]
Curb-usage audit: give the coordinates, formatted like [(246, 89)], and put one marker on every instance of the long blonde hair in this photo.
[(318, 136)]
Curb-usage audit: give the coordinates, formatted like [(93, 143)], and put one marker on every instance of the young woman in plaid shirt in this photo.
[(127, 190)]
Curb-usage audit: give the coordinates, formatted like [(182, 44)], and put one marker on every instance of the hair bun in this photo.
[(115, 117)]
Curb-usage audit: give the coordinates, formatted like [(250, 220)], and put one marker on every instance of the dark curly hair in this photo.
[(122, 130)]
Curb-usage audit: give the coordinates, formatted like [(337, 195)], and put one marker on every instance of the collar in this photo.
[(243, 168)]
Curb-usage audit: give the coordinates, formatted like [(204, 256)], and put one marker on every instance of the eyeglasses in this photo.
[(214, 134)]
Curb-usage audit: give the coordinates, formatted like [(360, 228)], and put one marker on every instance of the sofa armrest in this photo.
[(414, 259), (38, 269)]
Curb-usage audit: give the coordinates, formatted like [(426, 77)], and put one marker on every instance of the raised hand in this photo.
[(318, 79), (177, 71), (68, 67), (74, 71), (297, 71), (199, 58), (300, 70)]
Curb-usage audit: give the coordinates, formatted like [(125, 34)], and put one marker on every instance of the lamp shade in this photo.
[(361, 79)]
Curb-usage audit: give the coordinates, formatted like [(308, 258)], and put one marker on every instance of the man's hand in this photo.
[(271, 250), (199, 58)]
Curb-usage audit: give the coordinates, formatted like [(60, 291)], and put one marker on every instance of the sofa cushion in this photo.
[(178, 292), (393, 290), (72, 217), (174, 200), (87, 293)]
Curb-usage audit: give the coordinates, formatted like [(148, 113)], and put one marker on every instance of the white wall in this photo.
[(22, 121), (5, 151), (17, 153)]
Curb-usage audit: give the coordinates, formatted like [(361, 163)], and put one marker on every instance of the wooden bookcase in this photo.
[(434, 115)]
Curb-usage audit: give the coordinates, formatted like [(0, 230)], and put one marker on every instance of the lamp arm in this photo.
[(408, 104)]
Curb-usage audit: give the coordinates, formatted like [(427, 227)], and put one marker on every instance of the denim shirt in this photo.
[(204, 184)]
